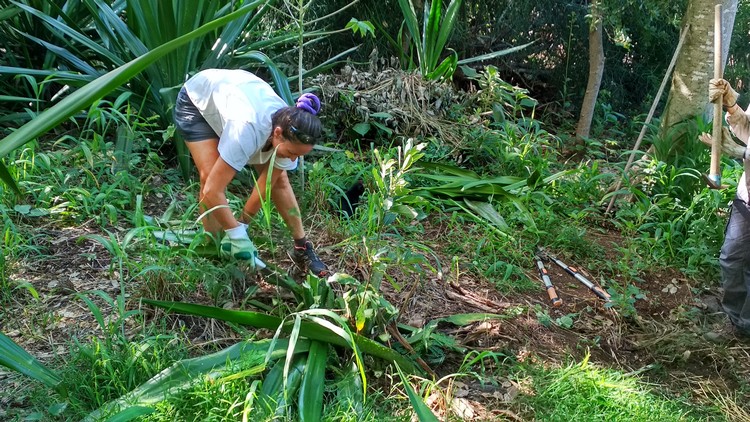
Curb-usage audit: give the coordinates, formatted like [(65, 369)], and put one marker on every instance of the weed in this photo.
[(623, 298), (631, 264), (670, 231), (333, 176)]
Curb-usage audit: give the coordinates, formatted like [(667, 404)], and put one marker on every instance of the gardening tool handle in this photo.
[(601, 293), (597, 290), (551, 292), (714, 174), (572, 271)]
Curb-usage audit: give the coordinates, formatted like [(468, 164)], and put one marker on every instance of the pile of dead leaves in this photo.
[(396, 101)]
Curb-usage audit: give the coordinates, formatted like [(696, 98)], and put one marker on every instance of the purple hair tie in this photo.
[(309, 102)]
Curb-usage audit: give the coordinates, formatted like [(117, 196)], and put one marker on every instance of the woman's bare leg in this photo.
[(205, 154)]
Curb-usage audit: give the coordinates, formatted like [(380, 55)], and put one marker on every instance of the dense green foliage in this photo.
[(463, 198)]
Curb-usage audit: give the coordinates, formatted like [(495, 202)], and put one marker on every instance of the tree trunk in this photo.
[(688, 96), (596, 70)]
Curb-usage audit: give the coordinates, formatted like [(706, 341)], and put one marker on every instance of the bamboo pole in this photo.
[(714, 175)]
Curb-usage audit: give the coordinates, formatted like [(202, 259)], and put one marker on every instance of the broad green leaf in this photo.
[(494, 54), (430, 27), (183, 236), (74, 35), (502, 180), (131, 413), (310, 401), (383, 128), (362, 27), (91, 92), (10, 98), (57, 409), (498, 229), (16, 358), (466, 319), (361, 128), (420, 408), (22, 209), (410, 20), (446, 68), (446, 27), (293, 337), (488, 212), (71, 58), (312, 331), (243, 356), (61, 77)]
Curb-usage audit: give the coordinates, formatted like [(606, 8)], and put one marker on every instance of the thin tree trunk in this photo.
[(596, 70)]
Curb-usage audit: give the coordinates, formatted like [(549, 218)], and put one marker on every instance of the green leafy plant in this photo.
[(429, 43), (318, 325), (393, 196), (365, 307), (240, 360), (452, 183), (365, 127), (423, 412), (17, 359), (624, 299), (507, 102), (149, 26), (393, 203), (122, 73)]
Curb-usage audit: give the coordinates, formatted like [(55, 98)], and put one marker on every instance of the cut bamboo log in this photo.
[(714, 175)]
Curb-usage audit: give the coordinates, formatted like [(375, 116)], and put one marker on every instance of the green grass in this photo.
[(210, 400), (102, 372), (234, 400), (585, 392)]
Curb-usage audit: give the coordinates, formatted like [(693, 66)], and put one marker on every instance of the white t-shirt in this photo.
[(740, 125), (238, 106)]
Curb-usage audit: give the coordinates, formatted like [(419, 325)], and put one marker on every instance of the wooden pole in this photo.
[(714, 175)]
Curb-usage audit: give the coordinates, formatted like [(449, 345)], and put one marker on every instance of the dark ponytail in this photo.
[(300, 123)]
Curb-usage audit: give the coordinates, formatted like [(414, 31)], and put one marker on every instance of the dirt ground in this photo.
[(663, 341)]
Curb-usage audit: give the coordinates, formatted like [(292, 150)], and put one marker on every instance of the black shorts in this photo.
[(189, 121)]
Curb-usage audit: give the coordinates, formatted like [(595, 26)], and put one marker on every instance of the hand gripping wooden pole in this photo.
[(714, 175)]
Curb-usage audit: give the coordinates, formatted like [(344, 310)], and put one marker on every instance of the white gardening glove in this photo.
[(720, 88), (237, 244), (728, 146)]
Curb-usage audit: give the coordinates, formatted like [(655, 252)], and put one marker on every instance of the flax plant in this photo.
[(140, 51)]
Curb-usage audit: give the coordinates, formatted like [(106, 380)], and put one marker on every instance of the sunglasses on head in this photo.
[(301, 136)]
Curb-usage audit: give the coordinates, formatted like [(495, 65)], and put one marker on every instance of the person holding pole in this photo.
[(734, 258)]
